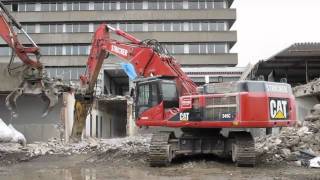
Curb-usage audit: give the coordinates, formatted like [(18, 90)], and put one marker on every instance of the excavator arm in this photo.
[(148, 57), (34, 80)]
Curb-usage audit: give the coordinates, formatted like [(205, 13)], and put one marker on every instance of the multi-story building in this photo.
[(196, 32)]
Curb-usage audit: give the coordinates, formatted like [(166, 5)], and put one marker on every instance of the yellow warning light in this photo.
[(235, 123)]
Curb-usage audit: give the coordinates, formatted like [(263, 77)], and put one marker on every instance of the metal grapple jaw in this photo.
[(38, 88), (35, 83)]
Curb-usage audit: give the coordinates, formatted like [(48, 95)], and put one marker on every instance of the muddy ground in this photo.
[(106, 166)]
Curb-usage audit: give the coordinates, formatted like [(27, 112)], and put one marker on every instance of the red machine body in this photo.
[(166, 96), (251, 109)]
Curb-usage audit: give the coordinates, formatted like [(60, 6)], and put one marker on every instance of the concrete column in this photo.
[(67, 112), (131, 125)]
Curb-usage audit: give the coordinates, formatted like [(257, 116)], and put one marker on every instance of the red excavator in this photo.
[(165, 96), (34, 79)]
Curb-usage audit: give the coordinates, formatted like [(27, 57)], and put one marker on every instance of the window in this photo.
[(205, 26), (138, 4), (152, 4), (220, 48), (15, 7), (159, 27), (59, 50), (178, 49), (176, 26), (59, 28), (161, 5), (210, 48), (123, 5), (68, 50), (75, 6), (169, 91), (98, 6), (69, 6), (59, 7), (30, 7), (203, 48), (84, 28), (53, 7), (220, 26), (113, 6), (75, 50), (195, 26), (52, 50), (44, 7), (130, 5), (193, 4), (138, 27), (177, 4), (69, 28), (169, 4), (193, 48), (212, 26), (53, 28), (30, 28), (167, 26), (83, 50), (84, 6), (21, 7), (44, 50), (144, 93), (219, 4), (4, 51), (75, 28), (202, 4)]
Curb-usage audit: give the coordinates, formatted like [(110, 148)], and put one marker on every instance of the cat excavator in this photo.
[(166, 97)]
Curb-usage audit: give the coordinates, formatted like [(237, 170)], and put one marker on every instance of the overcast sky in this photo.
[(266, 27)]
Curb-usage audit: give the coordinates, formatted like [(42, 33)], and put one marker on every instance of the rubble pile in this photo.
[(293, 143), (129, 146)]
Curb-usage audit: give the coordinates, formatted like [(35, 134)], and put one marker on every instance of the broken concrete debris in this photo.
[(128, 146), (300, 144)]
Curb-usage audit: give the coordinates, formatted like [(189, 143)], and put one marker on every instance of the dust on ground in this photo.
[(279, 157), (125, 158)]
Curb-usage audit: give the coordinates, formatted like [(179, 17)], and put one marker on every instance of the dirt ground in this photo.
[(93, 167)]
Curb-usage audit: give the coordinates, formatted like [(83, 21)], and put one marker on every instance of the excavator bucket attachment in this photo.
[(11, 101), (48, 91), (51, 96)]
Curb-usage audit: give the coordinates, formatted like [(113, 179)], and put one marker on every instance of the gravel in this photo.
[(292, 141)]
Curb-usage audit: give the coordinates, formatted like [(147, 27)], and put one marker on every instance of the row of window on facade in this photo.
[(129, 27), (78, 50), (66, 73), (119, 5)]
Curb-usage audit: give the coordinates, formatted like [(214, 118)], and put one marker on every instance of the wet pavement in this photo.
[(81, 167)]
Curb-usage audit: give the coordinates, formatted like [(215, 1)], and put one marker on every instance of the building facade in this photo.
[(196, 32)]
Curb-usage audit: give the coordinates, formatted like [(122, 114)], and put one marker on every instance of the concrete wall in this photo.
[(29, 122), (304, 105), (108, 119), (8, 82), (218, 14)]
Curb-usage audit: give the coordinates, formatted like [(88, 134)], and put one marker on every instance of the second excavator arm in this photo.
[(34, 81)]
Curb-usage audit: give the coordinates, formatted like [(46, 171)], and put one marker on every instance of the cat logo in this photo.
[(184, 116), (278, 109)]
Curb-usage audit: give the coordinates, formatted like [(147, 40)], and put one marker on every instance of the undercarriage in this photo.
[(238, 146)]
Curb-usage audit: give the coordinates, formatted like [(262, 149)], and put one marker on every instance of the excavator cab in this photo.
[(151, 92)]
